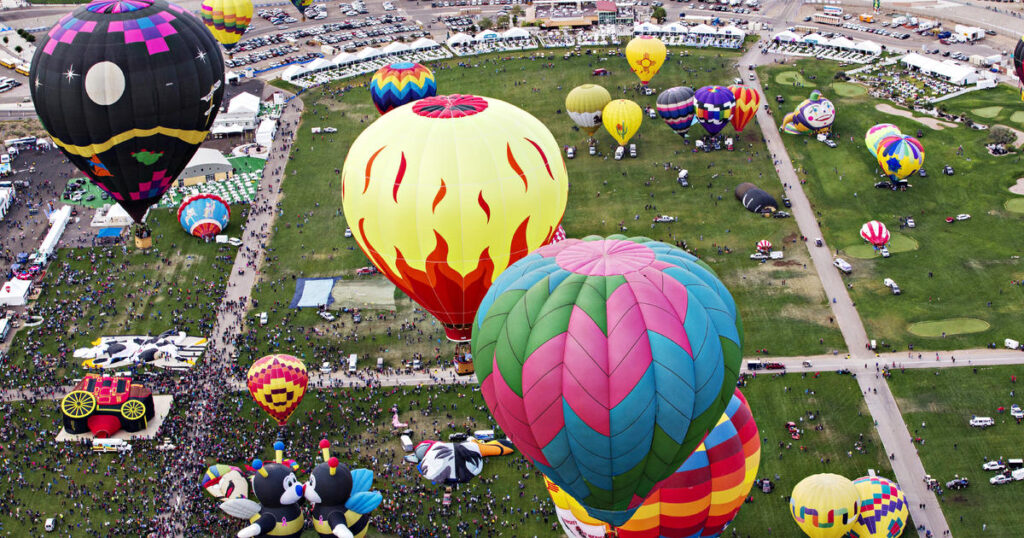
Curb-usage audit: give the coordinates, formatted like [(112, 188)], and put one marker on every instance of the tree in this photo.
[(17, 48), (1001, 135), (5, 39), (659, 13), (485, 23), (503, 21), (517, 11)]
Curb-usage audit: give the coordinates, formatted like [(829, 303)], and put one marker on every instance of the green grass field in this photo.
[(957, 269), (93, 292), (839, 407), (945, 400), (782, 304)]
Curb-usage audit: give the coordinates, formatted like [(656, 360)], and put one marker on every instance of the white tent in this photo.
[(342, 59), (424, 43), (675, 28), (843, 43), (869, 47), (515, 33), (112, 216), (395, 48), (14, 292), (646, 28), (367, 53), (290, 74), (948, 70), (786, 37), (460, 39), (244, 102), (487, 35), (703, 29), (814, 38), (266, 132), (732, 31)]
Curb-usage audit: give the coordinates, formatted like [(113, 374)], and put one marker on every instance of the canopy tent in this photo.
[(814, 39), (786, 37), (732, 31), (367, 53), (703, 29), (424, 43), (244, 102), (675, 28), (843, 43), (515, 33), (460, 39), (646, 28), (395, 48), (869, 47), (948, 70), (487, 35), (14, 292), (343, 58)]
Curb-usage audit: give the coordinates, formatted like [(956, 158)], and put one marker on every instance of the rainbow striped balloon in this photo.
[(699, 500), (900, 155), (227, 20), (607, 361), (400, 83)]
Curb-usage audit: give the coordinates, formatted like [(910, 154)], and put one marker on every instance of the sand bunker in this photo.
[(1018, 188), (932, 123)]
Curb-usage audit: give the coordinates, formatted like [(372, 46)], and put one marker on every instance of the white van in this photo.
[(1011, 343), (982, 422), (683, 178), (632, 150), (263, 318), (406, 443), (50, 525), (380, 363), (352, 363), (325, 368), (619, 152)]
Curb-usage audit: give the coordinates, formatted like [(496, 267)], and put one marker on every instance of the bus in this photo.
[(22, 69), (8, 62), (832, 10)]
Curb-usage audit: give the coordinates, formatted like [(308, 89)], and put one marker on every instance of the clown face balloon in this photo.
[(128, 90)]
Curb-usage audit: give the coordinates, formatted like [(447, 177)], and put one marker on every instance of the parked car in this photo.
[(958, 483), (842, 265), (570, 152), (665, 218), (774, 366), (948, 170), (632, 151), (999, 479), (830, 143), (911, 223), (1016, 412), (993, 466), (619, 152), (963, 216), (787, 202), (884, 251), (891, 284), (759, 256), (982, 422), (326, 316), (922, 173), (781, 215)]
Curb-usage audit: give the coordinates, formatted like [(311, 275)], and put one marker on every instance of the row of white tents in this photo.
[(345, 59), (676, 28), (485, 36), (842, 43)]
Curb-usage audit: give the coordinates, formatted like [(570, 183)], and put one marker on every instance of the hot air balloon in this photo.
[(227, 20), (204, 214), (700, 499), (558, 236), (714, 107), (883, 509), (813, 115), (645, 55), (875, 232), (875, 135), (277, 383), (676, 107), (446, 193), (301, 5), (622, 119), (584, 105), (825, 505), (399, 83), (747, 101), (128, 90), (1018, 63), (900, 156), (606, 361), (764, 245)]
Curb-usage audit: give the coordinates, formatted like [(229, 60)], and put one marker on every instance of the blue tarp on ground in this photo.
[(109, 232), (313, 292)]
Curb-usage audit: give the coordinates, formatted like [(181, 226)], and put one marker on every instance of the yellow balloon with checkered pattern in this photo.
[(277, 383)]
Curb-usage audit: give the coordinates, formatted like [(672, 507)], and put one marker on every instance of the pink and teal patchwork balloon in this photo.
[(607, 361)]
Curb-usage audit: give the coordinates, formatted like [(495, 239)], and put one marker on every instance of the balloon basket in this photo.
[(143, 237), (463, 359)]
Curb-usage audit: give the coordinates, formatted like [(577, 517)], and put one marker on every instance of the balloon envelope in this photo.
[(1018, 62), (128, 90), (747, 101), (875, 232), (700, 499), (878, 132), (622, 119), (204, 214), (399, 83), (714, 107), (444, 194), (584, 105), (676, 107), (883, 509), (645, 55), (277, 383), (764, 245), (227, 20), (301, 5), (825, 505), (813, 115), (900, 156), (559, 323)]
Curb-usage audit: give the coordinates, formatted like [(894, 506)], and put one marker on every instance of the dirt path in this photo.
[(934, 124)]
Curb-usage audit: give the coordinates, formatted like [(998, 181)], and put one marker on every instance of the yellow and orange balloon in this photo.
[(700, 499), (747, 101), (278, 383), (645, 55), (444, 193)]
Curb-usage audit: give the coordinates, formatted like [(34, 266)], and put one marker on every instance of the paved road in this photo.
[(889, 422)]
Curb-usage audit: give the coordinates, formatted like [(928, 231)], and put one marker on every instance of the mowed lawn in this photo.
[(959, 270), (783, 307), (944, 401), (839, 408), (110, 291)]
